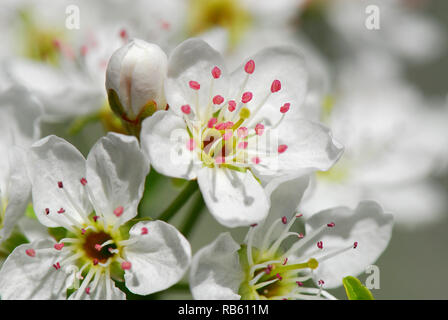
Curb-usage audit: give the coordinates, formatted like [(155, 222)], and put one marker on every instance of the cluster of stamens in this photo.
[(225, 133), (272, 273)]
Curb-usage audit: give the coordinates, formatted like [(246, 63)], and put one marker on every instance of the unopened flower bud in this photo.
[(134, 81)]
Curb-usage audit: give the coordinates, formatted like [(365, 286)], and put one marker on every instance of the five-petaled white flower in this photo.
[(92, 200), (241, 134), (338, 242)]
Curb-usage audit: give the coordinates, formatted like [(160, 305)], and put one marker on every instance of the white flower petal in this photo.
[(216, 273), (23, 277), (116, 173), (310, 147), (164, 139), (159, 258), (19, 192), (53, 160), (367, 225), (284, 202), (194, 60), (282, 63), (234, 198), (105, 290)]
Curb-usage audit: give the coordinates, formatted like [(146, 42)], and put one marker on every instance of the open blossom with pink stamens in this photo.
[(338, 242), (246, 140), (91, 200)]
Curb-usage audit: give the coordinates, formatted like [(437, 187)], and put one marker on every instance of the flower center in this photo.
[(38, 43), (228, 14), (225, 133), (93, 248)]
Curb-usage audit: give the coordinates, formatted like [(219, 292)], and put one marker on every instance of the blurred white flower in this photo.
[(238, 134), (91, 200), (394, 141), (338, 242), (405, 33), (19, 117)]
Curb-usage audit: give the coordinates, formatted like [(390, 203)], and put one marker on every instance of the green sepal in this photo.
[(356, 290), (114, 103)]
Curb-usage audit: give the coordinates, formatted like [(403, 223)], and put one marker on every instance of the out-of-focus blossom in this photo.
[(404, 33), (394, 141), (238, 134), (19, 127)]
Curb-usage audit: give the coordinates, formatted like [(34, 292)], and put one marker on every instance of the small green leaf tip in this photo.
[(356, 290)]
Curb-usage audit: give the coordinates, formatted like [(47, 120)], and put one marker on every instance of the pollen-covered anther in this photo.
[(118, 211), (60, 184), (254, 225), (95, 262), (285, 108), (30, 252), (259, 129), (83, 181), (246, 97), (282, 148), (186, 109), (216, 72), (299, 215), (123, 34), (47, 211), (249, 67), (218, 99), (320, 244), (88, 290), (284, 220), (256, 160), (83, 231), (144, 230), (242, 132), (331, 225), (62, 210), (276, 86), (243, 145), (321, 282), (232, 105), (98, 247), (126, 265), (194, 85), (95, 218), (220, 160), (300, 236), (59, 246), (300, 284), (57, 266), (191, 144), (211, 123), (279, 277), (268, 269), (285, 261), (355, 245)]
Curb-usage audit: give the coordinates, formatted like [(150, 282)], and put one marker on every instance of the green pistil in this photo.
[(282, 273)]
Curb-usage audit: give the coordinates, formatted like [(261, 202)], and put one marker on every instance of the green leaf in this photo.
[(356, 290)]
